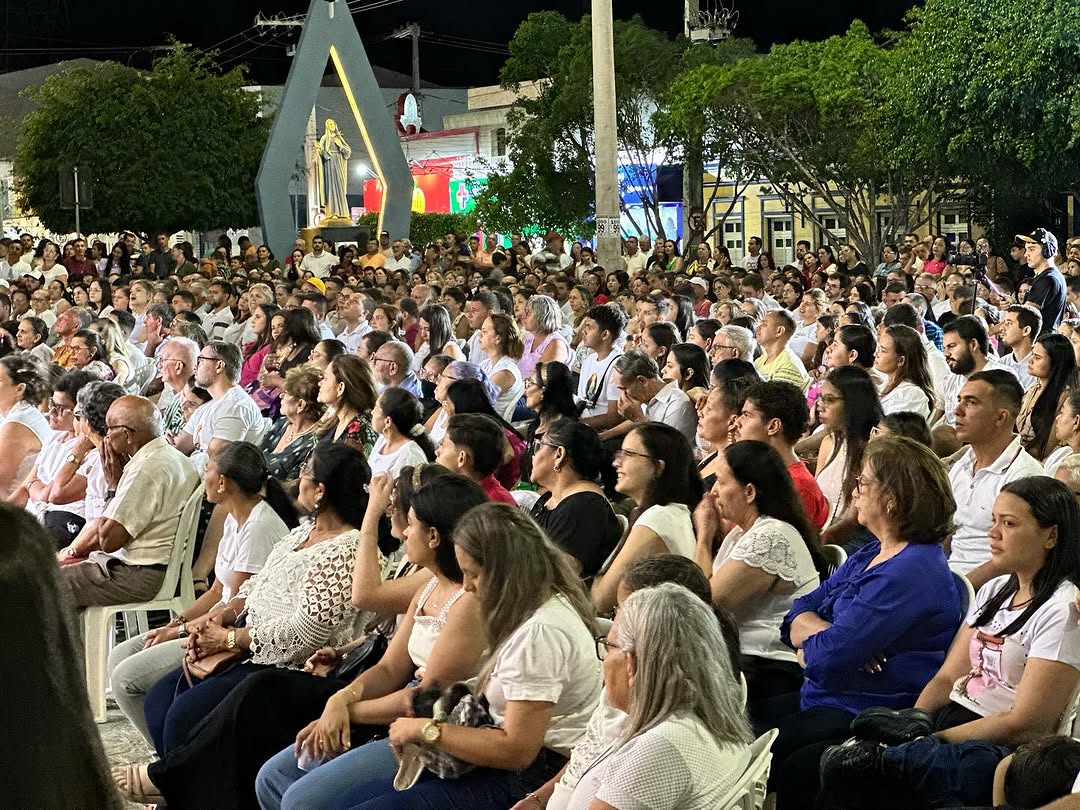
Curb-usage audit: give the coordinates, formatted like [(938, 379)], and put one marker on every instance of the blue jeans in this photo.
[(280, 784), (944, 775), (480, 789), (173, 708)]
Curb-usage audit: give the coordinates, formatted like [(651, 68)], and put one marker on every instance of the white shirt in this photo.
[(409, 454), (675, 765), (215, 323), (672, 406), (635, 263), (48, 316), (939, 369), (1053, 461), (244, 549), (508, 399), (776, 548), (392, 264), (97, 488), (949, 392), (674, 526), (473, 351), (1050, 634), (151, 513), (975, 494), (603, 729), (49, 461), (1019, 368), (233, 418), (803, 336), (596, 383), (750, 262), (351, 337), (906, 397), (550, 658), (318, 266)]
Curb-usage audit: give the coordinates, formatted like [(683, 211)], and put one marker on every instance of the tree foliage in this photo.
[(426, 228), (551, 134), (174, 148)]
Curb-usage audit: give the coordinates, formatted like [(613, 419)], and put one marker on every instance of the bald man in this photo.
[(121, 556)]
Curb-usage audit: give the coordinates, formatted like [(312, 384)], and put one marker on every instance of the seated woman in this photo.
[(575, 511), (1066, 431), (88, 354), (900, 356), (654, 468), (719, 412), (549, 393), (769, 558), (60, 512), (440, 641), (289, 441), (323, 352), (348, 386), (24, 430), (688, 365), (666, 667), (1009, 675), (1052, 364), (873, 633), (402, 441), (541, 680), (259, 514), (298, 603), (543, 343), (452, 372)]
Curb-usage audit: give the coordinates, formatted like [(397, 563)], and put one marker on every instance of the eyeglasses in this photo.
[(77, 414), (603, 646), (531, 383), (622, 453), (862, 481), (110, 428), (377, 359), (58, 410), (200, 359), (830, 399)]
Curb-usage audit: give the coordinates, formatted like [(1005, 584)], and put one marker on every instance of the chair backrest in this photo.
[(967, 592), (183, 550), (835, 556), (526, 499), (749, 792), (1067, 726)]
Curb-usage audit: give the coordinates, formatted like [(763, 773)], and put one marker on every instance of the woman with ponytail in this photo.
[(259, 514), (403, 442)]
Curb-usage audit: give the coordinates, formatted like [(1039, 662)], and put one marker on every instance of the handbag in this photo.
[(362, 657), (211, 665)]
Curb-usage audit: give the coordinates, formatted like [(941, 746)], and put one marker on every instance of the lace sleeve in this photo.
[(322, 606), (769, 550)]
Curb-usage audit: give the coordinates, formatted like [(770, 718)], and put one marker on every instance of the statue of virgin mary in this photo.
[(334, 155)]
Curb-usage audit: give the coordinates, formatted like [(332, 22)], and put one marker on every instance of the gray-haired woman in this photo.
[(666, 666), (457, 370), (543, 343)]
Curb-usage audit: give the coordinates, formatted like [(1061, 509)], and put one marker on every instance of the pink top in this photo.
[(934, 266), (249, 372), (531, 356)]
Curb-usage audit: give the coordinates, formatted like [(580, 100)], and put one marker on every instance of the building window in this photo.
[(954, 226), (833, 235), (733, 238), (500, 141), (781, 240)]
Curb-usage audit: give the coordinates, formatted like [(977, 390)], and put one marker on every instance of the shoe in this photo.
[(850, 773), (890, 726)]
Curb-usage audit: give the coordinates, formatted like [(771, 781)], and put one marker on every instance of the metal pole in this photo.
[(414, 32), (78, 228), (608, 240), (693, 169)]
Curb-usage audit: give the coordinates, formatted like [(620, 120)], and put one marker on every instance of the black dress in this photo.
[(583, 525)]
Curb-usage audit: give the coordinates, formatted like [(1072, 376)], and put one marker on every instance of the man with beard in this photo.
[(965, 347)]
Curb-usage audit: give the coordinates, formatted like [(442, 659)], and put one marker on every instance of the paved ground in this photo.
[(122, 742)]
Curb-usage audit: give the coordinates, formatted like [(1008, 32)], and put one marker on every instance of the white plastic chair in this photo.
[(526, 499), (749, 792), (625, 525), (1067, 726), (835, 556), (177, 594), (967, 592)]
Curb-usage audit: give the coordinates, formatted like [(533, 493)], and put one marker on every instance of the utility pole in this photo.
[(78, 228), (608, 233), (693, 181), (414, 34)]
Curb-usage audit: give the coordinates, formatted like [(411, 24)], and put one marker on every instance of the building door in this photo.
[(781, 240)]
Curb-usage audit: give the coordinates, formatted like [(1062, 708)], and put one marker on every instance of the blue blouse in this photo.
[(906, 609)]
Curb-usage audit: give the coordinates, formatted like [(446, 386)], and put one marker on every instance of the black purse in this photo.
[(362, 657)]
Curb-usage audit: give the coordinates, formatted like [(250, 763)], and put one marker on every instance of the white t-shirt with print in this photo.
[(676, 765), (550, 658), (997, 664), (596, 384)]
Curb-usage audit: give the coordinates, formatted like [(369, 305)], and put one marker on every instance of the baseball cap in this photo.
[(317, 283), (698, 281), (33, 273), (1039, 236)]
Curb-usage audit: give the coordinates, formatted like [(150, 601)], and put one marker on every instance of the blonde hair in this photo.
[(112, 342), (1071, 465), (522, 570), (682, 664)]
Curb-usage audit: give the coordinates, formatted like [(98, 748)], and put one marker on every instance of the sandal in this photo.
[(133, 782)]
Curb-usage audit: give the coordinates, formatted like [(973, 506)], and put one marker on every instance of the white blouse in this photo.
[(245, 549), (302, 599), (672, 522), (49, 461), (776, 548), (508, 400), (906, 397), (393, 463), (550, 658)]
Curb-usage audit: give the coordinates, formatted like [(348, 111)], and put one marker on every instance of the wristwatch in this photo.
[(431, 732), (74, 459), (181, 630), (230, 640)]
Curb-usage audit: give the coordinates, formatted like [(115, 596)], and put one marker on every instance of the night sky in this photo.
[(42, 31)]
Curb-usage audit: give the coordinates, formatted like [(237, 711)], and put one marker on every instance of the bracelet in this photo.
[(539, 802), (352, 694), (230, 640)]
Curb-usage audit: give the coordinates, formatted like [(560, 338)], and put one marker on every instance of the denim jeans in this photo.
[(134, 668), (281, 784), (944, 775)]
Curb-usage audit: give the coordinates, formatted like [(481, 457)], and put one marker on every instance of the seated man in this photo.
[(392, 363), (646, 397), (125, 552), (473, 447)]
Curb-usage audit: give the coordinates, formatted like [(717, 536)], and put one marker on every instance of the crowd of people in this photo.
[(494, 526)]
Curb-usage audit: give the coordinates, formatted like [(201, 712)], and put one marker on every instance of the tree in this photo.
[(830, 128), (177, 147), (999, 83), (551, 132)]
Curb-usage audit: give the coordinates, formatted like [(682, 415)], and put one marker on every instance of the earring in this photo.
[(557, 466)]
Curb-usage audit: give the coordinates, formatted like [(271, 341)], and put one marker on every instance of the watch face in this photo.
[(430, 733)]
